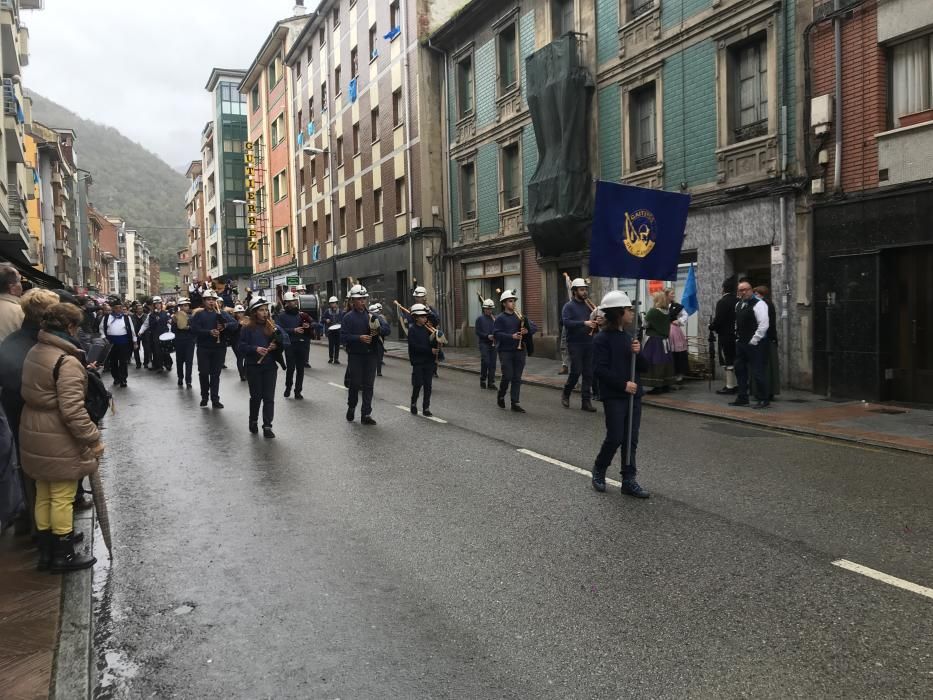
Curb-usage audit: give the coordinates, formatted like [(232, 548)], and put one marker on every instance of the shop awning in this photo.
[(11, 252)]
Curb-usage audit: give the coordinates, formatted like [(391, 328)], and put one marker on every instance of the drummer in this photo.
[(184, 341), (157, 323)]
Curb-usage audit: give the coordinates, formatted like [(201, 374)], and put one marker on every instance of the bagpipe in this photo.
[(436, 333), (590, 305), (278, 340)]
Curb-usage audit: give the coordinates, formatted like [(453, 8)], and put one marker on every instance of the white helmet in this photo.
[(419, 310), (289, 296), (156, 300), (420, 292), (238, 309), (378, 306), (333, 300), (183, 301), (579, 282), (615, 300), (508, 294), (374, 308), (209, 294), (257, 302), (358, 291), (489, 304)]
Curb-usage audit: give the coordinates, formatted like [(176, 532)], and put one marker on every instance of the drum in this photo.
[(167, 342), (334, 327)]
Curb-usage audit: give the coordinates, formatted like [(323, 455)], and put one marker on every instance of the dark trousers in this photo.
[(361, 376), (240, 361), (145, 342), (513, 364), (381, 352), (750, 359), (422, 376), (184, 355), (119, 361), (487, 367), (333, 346), (261, 379), (581, 365), (616, 411), (210, 362), (160, 358), (296, 355)]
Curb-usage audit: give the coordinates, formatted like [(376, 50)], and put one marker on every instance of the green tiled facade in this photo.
[(609, 106), (526, 28), (487, 189), (607, 30), (529, 157), (677, 11), (484, 76)]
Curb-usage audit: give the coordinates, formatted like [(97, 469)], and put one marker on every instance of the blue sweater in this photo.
[(420, 345), (505, 326), (355, 324), (573, 316), (485, 326), (332, 316), (203, 322), (291, 322), (253, 337), (612, 364)]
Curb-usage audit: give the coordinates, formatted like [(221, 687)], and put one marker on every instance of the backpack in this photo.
[(98, 399)]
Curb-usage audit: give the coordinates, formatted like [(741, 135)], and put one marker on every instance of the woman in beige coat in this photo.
[(59, 442)]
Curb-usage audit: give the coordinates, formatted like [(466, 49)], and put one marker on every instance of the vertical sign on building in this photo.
[(249, 172)]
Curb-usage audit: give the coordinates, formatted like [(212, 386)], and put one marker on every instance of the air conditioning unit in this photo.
[(821, 114), (415, 222)]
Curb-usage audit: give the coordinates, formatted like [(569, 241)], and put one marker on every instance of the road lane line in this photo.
[(884, 578), (407, 409), (563, 465), (339, 386)]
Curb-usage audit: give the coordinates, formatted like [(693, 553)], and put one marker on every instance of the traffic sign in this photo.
[(292, 281)]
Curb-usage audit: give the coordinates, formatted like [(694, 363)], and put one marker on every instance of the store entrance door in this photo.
[(907, 323)]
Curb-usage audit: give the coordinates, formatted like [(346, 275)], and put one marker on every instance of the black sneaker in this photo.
[(187, 385), (492, 385), (254, 428), (517, 408), (427, 412), (482, 385), (267, 433), (298, 396), (762, 404), (599, 483), (288, 391), (565, 401), (217, 404), (203, 403), (180, 382), (500, 401), (727, 390), (414, 409), (367, 420), (351, 414), (631, 488)]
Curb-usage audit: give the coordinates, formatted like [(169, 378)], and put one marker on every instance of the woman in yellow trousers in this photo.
[(59, 443)]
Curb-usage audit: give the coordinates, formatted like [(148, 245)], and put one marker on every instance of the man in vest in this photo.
[(751, 328), (117, 327)]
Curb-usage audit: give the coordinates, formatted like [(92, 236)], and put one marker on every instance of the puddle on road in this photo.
[(114, 668)]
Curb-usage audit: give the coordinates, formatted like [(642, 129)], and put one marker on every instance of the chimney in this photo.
[(299, 8)]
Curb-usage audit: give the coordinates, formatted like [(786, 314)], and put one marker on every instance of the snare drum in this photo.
[(167, 342), (334, 327)]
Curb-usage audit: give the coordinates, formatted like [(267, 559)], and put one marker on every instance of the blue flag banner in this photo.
[(689, 299), (353, 90), (637, 232), (392, 33)]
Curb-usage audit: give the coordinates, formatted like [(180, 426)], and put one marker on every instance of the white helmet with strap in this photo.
[(358, 291), (489, 304), (258, 302), (333, 300), (183, 301), (289, 296), (420, 292), (578, 282), (238, 309), (209, 294), (508, 294), (374, 308), (419, 310), (615, 300)]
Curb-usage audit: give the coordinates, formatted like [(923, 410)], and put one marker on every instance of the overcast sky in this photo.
[(141, 65)]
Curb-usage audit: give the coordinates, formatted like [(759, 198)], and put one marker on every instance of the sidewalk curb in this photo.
[(794, 430), (72, 677)]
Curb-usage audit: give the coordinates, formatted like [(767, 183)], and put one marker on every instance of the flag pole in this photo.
[(631, 398)]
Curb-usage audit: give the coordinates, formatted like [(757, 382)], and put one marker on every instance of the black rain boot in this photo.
[(45, 543), (253, 427), (587, 406), (482, 384), (414, 403), (267, 432), (426, 411), (599, 479), (65, 558)]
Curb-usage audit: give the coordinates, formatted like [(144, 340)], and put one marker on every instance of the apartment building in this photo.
[(367, 128), (194, 213), (223, 145), (155, 276), (104, 237), (57, 180), (120, 267), (270, 173), (183, 270), (868, 131)]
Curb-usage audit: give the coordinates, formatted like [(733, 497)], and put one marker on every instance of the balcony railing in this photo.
[(11, 106)]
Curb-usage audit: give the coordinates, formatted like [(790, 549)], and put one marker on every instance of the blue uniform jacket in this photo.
[(508, 324), (420, 345), (252, 337), (355, 324), (485, 326), (332, 316), (203, 322), (291, 322), (612, 364), (573, 316)]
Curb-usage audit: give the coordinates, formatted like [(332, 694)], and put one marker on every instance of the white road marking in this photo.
[(407, 409), (564, 465), (884, 578), (339, 386)]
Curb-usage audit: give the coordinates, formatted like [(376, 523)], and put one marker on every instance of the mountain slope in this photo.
[(129, 181)]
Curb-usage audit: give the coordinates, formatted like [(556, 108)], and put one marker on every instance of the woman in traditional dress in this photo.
[(657, 346)]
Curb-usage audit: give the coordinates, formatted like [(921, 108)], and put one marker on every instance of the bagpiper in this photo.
[(486, 340), (262, 343), (422, 353), (209, 325), (359, 333), (332, 318), (513, 335), (297, 324)]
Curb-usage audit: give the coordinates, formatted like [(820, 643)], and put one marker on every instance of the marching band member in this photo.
[(333, 316), (575, 317), (157, 323), (239, 315), (360, 333), (184, 341), (209, 325), (422, 350), (297, 324), (420, 296), (513, 333), (262, 343), (376, 310), (119, 330), (138, 316), (486, 339), (612, 354)]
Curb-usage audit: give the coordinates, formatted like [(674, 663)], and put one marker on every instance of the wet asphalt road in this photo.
[(423, 560)]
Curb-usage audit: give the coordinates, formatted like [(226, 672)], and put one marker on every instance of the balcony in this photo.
[(23, 46), (9, 38), (59, 211), (16, 207), (13, 119), (904, 154), (56, 177)]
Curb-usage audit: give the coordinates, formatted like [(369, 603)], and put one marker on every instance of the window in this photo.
[(309, 56), (639, 7), (234, 216), (465, 87), (643, 116), (397, 107), (282, 242), (400, 196), (299, 120), (329, 227), (310, 109), (508, 73), (377, 204), (314, 231), (335, 16), (356, 139), (374, 124), (395, 15), (300, 184), (359, 214), (262, 249), (232, 145), (279, 187), (261, 200), (274, 72), (339, 151), (911, 80), (231, 101), (511, 177), (234, 176), (373, 34), (312, 169), (338, 86), (343, 221), (354, 62), (748, 84), (468, 191), (324, 96), (254, 97), (561, 17), (297, 69), (322, 37), (258, 148), (278, 130)]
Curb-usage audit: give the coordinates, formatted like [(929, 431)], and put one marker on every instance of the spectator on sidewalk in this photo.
[(772, 366), (723, 324), (678, 336), (751, 330), (657, 352), (11, 289), (117, 327), (59, 443)]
